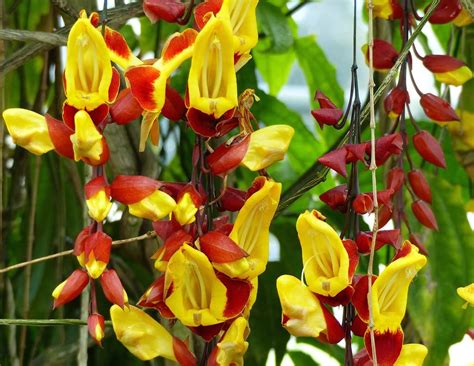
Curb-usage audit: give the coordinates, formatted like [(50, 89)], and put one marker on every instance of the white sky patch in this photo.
[(274, 255)]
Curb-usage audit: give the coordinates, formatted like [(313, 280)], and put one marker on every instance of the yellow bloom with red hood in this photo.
[(87, 141), (230, 350), (89, 73)]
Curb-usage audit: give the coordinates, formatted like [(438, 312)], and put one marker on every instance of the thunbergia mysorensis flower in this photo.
[(98, 198), (212, 83), (230, 350), (387, 9), (90, 80), (447, 69)]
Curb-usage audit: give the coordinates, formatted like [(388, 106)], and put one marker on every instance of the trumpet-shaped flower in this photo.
[(28, 130), (212, 83), (87, 142), (251, 231), (302, 313), (143, 336), (89, 77), (230, 350), (98, 198), (325, 260)]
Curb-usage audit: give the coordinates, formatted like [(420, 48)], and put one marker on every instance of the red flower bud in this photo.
[(385, 215), (129, 189), (437, 109), (446, 11), (113, 289), (71, 288), (126, 108), (441, 63), (355, 152), (420, 185), (363, 203), (395, 102), (174, 108), (336, 160), (219, 248), (97, 253), (414, 239), (335, 198), (168, 10), (385, 147), (328, 114), (228, 156), (429, 148), (60, 135), (232, 200), (384, 55), (395, 179), (96, 326), (424, 214)]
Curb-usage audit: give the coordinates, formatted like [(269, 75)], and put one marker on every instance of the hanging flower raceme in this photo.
[(231, 348), (143, 197), (98, 198), (303, 315), (447, 69), (90, 80), (147, 339), (389, 301)]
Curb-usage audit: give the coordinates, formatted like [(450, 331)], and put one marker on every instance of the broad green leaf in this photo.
[(274, 24), (434, 307), (318, 71)]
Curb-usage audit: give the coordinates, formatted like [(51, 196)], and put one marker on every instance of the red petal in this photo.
[(446, 11), (164, 229), (207, 126), (429, 148), (334, 332), (403, 252), (383, 197), (79, 243), (414, 239), (232, 200), (351, 249), (182, 353), (442, 63), (324, 101), (116, 43), (395, 101), (155, 299), (387, 345), (129, 189), (112, 287), (437, 109), (126, 108), (227, 157), (363, 203), (359, 327), (75, 283), (420, 185), (336, 160), (203, 11), (355, 152), (219, 248), (395, 179), (172, 244), (95, 185), (384, 55), (142, 79), (99, 243), (424, 214), (174, 108), (238, 292), (168, 10), (335, 198), (60, 136), (326, 116), (114, 85), (177, 43), (359, 299), (385, 215)]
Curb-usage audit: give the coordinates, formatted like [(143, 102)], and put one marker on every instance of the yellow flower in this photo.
[(212, 83), (325, 260), (301, 310), (185, 210), (412, 355), (390, 289), (154, 207), (464, 18), (28, 130), (86, 140), (142, 335), (462, 132), (467, 293), (197, 296), (88, 72), (98, 206), (454, 77), (251, 232), (267, 145), (232, 347)]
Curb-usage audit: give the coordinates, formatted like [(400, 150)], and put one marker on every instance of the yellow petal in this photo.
[(251, 232), (325, 260), (382, 9), (185, 210), (154, 207), (232, 347), (86, 140), (412, 355), (198, 297), (99, 206), (455, 77), (267, 145), (28, 130), (464, 18), (467, 293), (212, 83), (59, 288), (390, 290), (94, 267), (142, 335), (301, 310), (88, 70)]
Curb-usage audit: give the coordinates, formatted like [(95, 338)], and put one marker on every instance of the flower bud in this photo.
[(395, 179), (424, 214), (447, 69), (97, 253), (98, 198), (96, 326), (113, 289), (227, 156), (420, 185), (267, 146), (328, 114), (364, 240), (126, 108), (28, 130), (429, 148), (445, 12), (71, 288), (385, 215), (437, 109), (168, 10), (385, 147), (174, 108), (355, 152), (384, 55), (395, 102), (363, 204)]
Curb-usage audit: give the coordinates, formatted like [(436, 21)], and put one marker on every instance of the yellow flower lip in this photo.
[(88, 72), (212, 83), (232, 347), (326, 262), (86, 140), (467, 293)]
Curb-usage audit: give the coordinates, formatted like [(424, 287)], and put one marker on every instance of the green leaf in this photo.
[(274, 24), (301, 359), (318, 71), (434, 307)]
